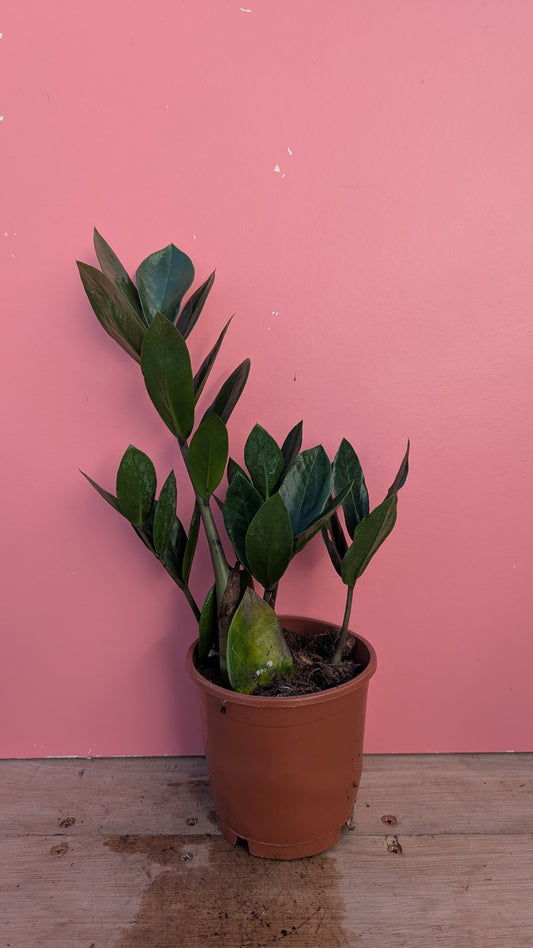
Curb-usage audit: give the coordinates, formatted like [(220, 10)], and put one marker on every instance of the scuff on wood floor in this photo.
[(126, 852)]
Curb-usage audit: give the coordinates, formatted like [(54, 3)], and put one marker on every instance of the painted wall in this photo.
[(360, 175)]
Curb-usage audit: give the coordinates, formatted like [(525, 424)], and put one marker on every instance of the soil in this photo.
[(313, 671)]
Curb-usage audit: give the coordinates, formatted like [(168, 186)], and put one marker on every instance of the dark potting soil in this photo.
[(313, 671)]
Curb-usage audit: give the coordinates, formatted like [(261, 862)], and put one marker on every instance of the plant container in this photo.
[(284, 772)]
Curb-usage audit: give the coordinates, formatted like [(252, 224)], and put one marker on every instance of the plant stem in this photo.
[(219, 562), (189, 597), (218, 558), (179, 582), (270, 594), (344, 630)]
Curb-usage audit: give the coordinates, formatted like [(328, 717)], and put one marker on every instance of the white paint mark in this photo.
[(1, 118), (277, 169), (283, 176), (194, 236), (289, 149), (275, 312), (245, 10)]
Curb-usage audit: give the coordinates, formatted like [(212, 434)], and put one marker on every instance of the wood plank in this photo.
[(143, 863), (106, 796), (195, 891), (456, 793), (448, 793)]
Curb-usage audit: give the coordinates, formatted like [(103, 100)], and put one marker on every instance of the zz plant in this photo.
[(273, 506)]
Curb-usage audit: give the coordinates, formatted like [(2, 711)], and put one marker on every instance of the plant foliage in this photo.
[(274, 504)]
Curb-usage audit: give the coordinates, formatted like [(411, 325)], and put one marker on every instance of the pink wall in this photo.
[(382, 284)]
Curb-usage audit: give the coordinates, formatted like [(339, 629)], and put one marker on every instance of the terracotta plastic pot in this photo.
[(284, 772)]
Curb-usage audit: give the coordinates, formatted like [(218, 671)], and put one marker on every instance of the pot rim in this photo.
[(293, 701)]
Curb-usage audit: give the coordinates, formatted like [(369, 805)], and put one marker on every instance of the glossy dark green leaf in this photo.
[(203, 372), (110, 498), (335, 541), (207, 626), (257, 652), (194, 306), (401, 476), (302, 538), (113, 269), (192, 540), (264, 460), (166, 368), (233, 469), (307, 487), (113, 311), (240, 507), (348, 471), (208, 453), (291, 446), (174, 553), (136, 486), (230, 392), (368, 537), (162, 281), (165, 514), (269, 542)]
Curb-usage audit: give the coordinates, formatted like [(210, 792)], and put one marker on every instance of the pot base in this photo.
[(310, 847)]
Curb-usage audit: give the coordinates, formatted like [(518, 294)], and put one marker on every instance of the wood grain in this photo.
[(139, 861)]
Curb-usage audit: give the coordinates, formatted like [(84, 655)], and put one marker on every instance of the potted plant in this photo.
[(282, 699)]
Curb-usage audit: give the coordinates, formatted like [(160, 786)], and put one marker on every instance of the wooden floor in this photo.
[(98, 853)]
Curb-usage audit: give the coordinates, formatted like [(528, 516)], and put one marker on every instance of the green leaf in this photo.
[(208, 453), (257, 652), (113, 311), (192, 540), (208, 626), (233, 469), (401, 476), (174, 553), (194, 306), (264, 460), (203, 372), (335, 541), (241, 504), (230, 393), (166, 367), (113, 269), (348, 471), (162, 281), (165, 514), (136, 486), (303, 538), (307, 487), (291, 446), (368, 537), (110, 498), (269, 542)]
